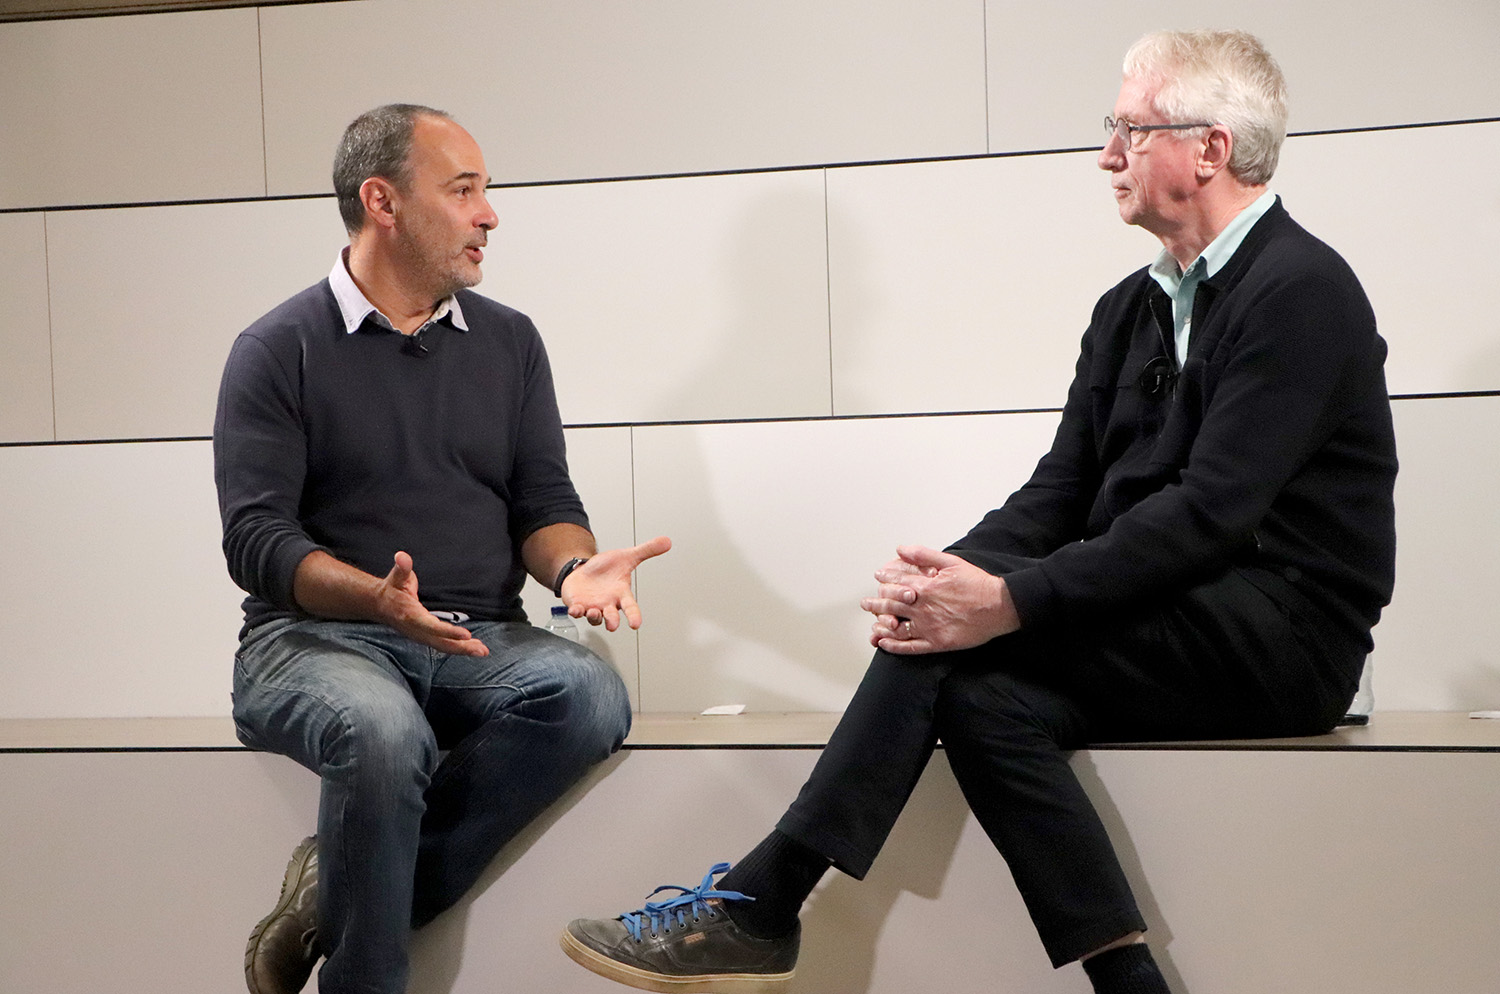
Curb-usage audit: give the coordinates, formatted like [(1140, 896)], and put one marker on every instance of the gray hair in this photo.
[(1226, 77), (377, 143)]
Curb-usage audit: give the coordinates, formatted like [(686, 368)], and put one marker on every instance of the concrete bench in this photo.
[(140, 851)]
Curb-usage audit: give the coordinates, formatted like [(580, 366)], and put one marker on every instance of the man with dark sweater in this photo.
[(384, 421), (1202, 553)]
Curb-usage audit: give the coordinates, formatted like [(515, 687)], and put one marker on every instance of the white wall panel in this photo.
[(599, 461), (558, 89), (146, 302), (933, 286), (778, 530), (1425, 254), (122, 541), (25, 342), (1055, 68), (967, 285), (1292, 873), (680, 299), (122, 109), (119, 602), (1435, 647)]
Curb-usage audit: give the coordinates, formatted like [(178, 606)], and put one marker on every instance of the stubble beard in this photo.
[(440, 275)]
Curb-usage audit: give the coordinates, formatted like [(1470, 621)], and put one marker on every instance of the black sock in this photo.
[(1126, 970), (779, 873)]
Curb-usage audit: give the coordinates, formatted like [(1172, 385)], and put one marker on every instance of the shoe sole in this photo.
[(702, 983), (296, 867)]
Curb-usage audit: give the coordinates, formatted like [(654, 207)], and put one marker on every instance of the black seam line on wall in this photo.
[(703, 174), (1446, 395), (702, 422), (828, 295), (51, 338), (207, 202), (652, 746), (260, 71), (45, 750), (128, 9), (1253, 746), (1206, 746), (812, 418), (984, 37), (1414, 126), (109, 441), (635, 535)]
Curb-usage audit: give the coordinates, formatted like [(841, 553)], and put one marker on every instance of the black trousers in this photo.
[(1242, 656)]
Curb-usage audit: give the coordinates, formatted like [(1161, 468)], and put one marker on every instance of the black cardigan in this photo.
[(1272, 451)]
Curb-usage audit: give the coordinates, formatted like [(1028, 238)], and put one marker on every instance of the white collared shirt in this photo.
[(1182, 287), (355, 308)]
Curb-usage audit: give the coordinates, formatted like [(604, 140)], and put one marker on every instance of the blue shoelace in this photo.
[(658, 915)]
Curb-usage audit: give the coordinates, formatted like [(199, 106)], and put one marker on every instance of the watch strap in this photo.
[(562, 574)]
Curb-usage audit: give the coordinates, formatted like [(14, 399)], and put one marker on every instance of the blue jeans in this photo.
[(429, 763)]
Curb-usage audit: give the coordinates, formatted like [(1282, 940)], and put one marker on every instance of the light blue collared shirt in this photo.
[(1182, 287), (355, 308)]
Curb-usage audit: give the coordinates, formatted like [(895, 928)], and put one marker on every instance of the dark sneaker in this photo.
[(684, 945), (284, 946)]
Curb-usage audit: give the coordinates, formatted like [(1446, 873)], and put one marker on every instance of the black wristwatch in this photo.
[(562, 574)]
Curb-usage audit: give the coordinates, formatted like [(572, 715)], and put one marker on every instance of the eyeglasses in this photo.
[(1126, 131)]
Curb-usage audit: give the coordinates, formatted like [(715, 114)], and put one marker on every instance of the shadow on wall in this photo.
[(843, 923), (744, 610), (777, 526), (1130, 861), (844, 920), (1478, 685), (911, 919), (437, 951)]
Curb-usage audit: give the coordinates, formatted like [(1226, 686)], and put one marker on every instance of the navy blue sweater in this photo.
[(346, 443), (1273, 452)]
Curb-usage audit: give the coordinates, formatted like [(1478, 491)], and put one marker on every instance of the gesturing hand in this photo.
[(931, 601), (599, 590), (399, 608)]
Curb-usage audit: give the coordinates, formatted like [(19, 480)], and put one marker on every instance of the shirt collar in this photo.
[(1218, 252), (355, 308)]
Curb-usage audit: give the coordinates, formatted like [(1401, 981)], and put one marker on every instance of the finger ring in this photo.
[(906, 625)]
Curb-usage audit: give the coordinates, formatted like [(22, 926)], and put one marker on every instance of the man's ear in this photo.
[(1217, 147), (379, 198)]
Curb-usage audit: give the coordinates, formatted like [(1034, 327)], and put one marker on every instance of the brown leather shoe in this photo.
[(284, 946)]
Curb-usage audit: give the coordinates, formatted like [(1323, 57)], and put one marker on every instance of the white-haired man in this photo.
[(1202, 553)]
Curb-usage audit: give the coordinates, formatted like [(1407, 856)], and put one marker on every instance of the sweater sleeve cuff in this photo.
[(1034, 599), (1030, 590), (283, 570)]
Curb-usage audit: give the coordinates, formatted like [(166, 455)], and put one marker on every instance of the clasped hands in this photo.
[(931, 601)]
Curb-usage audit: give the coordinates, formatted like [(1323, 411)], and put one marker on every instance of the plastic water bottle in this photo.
[(561, 624), (1364, 697)]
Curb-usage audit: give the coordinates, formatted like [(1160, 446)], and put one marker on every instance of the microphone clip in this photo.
[(413, 345), (1158, 376)]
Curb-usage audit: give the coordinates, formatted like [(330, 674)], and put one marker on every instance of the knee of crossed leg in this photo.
[(979, 708)]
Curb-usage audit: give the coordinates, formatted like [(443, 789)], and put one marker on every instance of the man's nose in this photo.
[(487, 218), (1112, 155)]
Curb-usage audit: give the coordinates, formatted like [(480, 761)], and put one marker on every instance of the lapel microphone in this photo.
[(413, 344), (1157, 376)]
